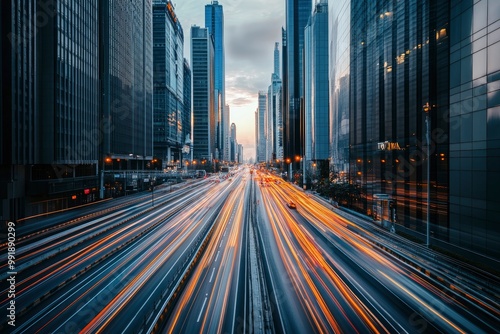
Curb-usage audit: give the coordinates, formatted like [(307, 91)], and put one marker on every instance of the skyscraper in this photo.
[(474, 125), (226, 153), (126, 70), (214, 21), (50, 123), (339, 54), (186, 115), (233, 154), (398, 65), (316, 100), (296, 15), (277, 58), (262, 127), (256, 129), (274, 112), (168, 77), (284, 94), (204, 127)]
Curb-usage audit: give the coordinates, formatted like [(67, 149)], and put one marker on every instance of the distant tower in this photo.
[(49, 102), (274, 112), (168, 106), (277, 58), (214, 21), (316, 97), (204, 127), (233, 154), (262, 128), (296, 14)]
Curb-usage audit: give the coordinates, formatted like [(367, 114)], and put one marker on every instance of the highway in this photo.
[(229, 255)]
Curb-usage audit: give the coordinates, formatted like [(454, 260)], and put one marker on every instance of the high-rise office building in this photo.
[(233, 144), (474, 125), (297, 14), (274, 111), (316, 99), (397, 65), (256, 136), (225, 115), (339, 35), (391, 66), (262, 127), (186, 115), (214, 21), (240, 153), (202, 62), (284, 94), (276, 67), (50, 122), (126, 69), (168, 78)]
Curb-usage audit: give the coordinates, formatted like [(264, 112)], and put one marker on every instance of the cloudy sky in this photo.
[(251, 28)]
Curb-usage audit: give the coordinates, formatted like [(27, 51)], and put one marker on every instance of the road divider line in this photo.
[(212, 276), (201, 311)]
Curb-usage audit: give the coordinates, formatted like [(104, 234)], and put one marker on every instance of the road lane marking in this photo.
[(217, 256), (212, 276), (201, 311)]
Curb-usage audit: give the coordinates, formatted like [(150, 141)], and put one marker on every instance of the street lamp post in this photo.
[(427, 110), (152, 192), (289, 176)]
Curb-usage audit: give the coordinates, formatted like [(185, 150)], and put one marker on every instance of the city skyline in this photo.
[(367, 200), (251, 30)]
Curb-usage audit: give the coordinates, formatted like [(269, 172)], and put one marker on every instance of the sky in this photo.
[(250, 30)]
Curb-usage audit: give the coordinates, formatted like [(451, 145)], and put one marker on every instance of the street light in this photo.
[(289, 176), (427, 110), (152, 192), (107, 161)]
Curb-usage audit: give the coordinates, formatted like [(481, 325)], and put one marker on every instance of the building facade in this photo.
[(474, 125), (316, 99), (262, 127), (397, 65), (274, 117), (214, 21), (233, 144), (187, 126), (168, 79), (204, 113), (297, 13), (126, 72), (51, 130), (339, 24)]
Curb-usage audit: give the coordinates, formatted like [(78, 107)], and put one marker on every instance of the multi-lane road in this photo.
[(231, 256)]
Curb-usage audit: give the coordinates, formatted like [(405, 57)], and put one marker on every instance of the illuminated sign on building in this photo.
[(388, 146), (86, 191), (171, 11)]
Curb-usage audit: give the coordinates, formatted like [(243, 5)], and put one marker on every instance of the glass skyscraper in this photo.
[(168, 78), (262, 127), (186, 115), (297, 14), (391, 61), (127, 82), (397, 65), (316, 100), (274, 118), (214, 21), (204, 120), (50, 106), (474, 122), (339, 54)]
